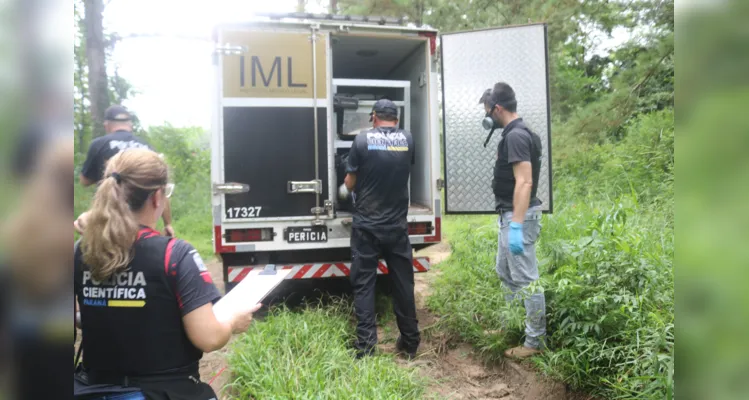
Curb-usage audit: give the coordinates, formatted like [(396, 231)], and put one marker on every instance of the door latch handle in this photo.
[(230, 188), (314, 186)]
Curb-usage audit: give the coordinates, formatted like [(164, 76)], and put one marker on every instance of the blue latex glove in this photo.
[(516, 238)]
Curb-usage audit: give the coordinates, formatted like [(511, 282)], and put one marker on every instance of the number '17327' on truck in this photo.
[(290, 96)]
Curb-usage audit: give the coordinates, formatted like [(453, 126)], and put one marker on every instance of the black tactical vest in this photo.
[(132, 324)]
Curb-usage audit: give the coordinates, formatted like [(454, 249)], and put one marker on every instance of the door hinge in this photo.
[(314, 186), (229, 50), (440, 184)]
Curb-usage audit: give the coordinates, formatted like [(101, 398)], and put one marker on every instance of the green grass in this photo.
[(306, 354)]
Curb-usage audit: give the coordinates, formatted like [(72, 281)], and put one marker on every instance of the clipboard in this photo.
[(249, 291)]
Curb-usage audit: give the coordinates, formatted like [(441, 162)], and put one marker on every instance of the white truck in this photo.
[(293, 90)]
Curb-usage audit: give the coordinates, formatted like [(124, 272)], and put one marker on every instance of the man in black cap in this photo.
[(119, 136), (516, 174), (379, 166)]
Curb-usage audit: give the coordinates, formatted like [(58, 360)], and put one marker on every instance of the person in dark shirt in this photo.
[(119, 136), (145, 300), (515, 182), (379, 166), (36, 293)]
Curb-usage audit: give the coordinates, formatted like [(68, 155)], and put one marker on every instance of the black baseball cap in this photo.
[(502, 94), (384, 107), (117, 113)]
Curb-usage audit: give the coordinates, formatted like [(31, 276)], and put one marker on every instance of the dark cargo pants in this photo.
[(395, 248)]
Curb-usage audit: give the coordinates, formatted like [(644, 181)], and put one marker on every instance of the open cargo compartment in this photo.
[(369, 67)]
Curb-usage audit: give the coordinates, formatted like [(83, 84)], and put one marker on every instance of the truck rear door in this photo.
[(273, 123), (471, 63)]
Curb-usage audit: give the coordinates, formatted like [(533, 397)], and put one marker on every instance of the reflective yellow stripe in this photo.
[(126, 303)]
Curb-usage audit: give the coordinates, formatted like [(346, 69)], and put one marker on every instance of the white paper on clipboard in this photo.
[(248, 292)]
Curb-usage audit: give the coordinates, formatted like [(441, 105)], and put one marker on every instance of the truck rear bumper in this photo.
[(317, 270)]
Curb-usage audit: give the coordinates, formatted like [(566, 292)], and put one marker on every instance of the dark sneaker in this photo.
[(364, 353), (401, 348)]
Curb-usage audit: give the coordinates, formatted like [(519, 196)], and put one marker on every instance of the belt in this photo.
[(93, 377), (534, 215)]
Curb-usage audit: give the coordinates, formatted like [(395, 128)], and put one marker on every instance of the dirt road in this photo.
[(453, 369)]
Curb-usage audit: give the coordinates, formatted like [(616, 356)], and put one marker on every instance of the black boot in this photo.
[(409, 354), (364, 353)]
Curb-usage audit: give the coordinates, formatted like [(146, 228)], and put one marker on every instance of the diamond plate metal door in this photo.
[(471, 63)]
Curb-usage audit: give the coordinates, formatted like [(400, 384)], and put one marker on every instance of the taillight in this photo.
[(249, 235), (419, 228)]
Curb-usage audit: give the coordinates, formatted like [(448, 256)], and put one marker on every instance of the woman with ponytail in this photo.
[(146, 300)]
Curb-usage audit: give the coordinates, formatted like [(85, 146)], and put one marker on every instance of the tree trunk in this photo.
[(334, 6), (97, 64), (420, 14)]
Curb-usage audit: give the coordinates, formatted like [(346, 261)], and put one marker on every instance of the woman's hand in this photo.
[(243, 318), (80, 223), (168, 230)]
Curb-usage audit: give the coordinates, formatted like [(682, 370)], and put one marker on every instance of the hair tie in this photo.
[(116, 177)]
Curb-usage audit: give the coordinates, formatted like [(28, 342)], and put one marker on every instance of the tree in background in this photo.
[(116, 89), (592, 95), (81, 111), (96, 62)]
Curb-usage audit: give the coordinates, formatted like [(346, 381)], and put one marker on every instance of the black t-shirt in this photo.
[(132, 324), (104, 147), (381, 158), (518, 144)]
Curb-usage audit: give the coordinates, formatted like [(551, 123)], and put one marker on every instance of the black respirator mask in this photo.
[(489, 123)]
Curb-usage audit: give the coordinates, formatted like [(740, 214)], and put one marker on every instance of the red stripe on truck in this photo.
[(343, 268), (299, 274), (242, 274), (382, 267), (437, 232), (220, 248), (321, 271), (419, 267)]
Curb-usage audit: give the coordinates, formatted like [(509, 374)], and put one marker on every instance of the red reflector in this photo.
[(249, 235), (419, 228)]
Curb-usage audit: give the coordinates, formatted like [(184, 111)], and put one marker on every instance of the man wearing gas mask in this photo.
[(515, 182)]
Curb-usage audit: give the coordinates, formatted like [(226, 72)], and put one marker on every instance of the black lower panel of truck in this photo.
[(266, 148)]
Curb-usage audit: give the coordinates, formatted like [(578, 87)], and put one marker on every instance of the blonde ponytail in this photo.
[(112, 227)]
